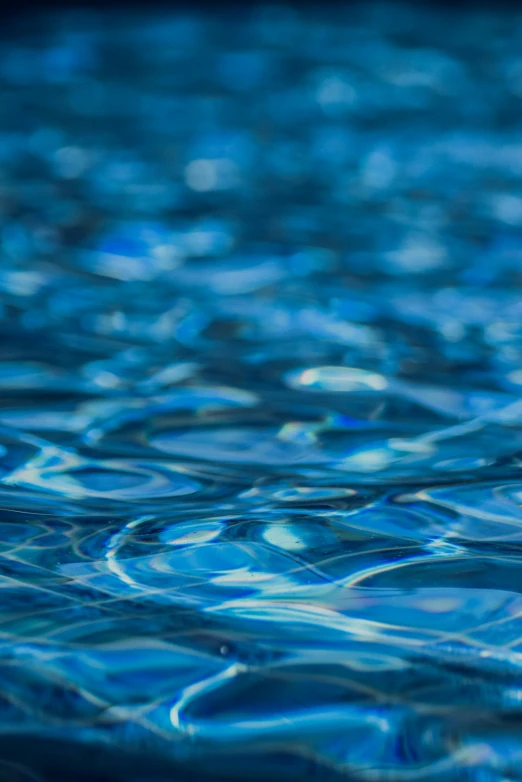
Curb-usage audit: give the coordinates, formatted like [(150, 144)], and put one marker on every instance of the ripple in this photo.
[(261, 427), (242, 445)]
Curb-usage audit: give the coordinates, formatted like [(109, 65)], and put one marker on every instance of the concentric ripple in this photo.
[(260, 395)]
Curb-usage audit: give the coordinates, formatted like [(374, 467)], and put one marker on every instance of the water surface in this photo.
[(260, 395)]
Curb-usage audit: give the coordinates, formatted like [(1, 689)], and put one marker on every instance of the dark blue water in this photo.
[(260, 395)]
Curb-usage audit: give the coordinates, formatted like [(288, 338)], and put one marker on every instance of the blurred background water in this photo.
[(260, 394)]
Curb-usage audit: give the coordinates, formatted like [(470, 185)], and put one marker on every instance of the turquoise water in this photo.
[(260, 395)]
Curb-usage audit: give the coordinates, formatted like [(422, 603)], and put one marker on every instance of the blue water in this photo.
[(260, 395)]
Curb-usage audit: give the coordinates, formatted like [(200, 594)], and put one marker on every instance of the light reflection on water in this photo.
[(260, 416)]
